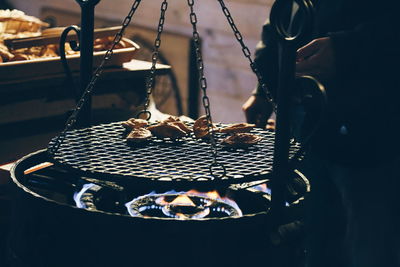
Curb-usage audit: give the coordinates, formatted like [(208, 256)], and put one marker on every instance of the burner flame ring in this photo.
[(182, 206)]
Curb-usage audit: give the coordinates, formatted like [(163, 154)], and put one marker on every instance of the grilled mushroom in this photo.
[(139, 135), (167, 130), (133, 123), (200, 127), (241, 140), (177, 122), (238, 128)]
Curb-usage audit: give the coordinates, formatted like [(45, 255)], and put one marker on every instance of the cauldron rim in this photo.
[(19, 167)]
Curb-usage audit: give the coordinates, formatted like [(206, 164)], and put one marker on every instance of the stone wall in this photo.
[(230, 79)]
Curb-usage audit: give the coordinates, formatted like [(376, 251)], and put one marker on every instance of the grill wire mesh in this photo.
[(103, 150)]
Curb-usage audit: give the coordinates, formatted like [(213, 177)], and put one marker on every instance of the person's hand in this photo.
[(257, 110), (316, 59)]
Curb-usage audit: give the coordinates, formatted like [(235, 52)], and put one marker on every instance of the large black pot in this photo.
[(50, 232)]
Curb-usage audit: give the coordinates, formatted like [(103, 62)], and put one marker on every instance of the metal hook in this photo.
[(214, 165), (278, 19), (74, 46), (146, 112)]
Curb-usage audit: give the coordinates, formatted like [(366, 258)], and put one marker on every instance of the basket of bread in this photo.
[(29, 48), (15, 23)]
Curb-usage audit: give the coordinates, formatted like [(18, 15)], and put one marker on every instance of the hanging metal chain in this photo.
[(151, 79), (53, 147), (247, 53), (215, 165)]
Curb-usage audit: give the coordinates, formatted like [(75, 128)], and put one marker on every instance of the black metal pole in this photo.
[(281, 168), (281, 17), (86, 57)]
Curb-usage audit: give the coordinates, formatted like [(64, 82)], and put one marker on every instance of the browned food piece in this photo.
[(200, 127), (171, 119), (18, 57), (16, 21), (241, 140), (5, 54), (34, 52), (177, 122), (139, 135), (133, 123), (238, 128), (182, 126), (167, 130), (121, 44), (105, 43), (98, 47), (271, 125), (49, 51)]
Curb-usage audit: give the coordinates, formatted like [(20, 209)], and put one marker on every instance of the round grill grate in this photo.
[(103, 150)]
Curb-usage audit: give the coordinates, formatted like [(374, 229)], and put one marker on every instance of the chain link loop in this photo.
[(154, 57), (205, 99), (53, 147), (247, 53)]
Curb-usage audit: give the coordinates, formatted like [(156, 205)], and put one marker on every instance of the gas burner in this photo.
[(84, 199), (100, 197), (190, 205)]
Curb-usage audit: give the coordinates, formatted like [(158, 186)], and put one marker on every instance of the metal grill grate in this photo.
[(103, 150)]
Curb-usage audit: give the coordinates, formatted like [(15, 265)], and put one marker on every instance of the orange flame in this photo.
[(180, 216), (182, 200), (211, 194)]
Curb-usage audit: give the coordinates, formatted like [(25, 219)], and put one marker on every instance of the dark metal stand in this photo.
[(86, 49), (288, 42), (281, 168)]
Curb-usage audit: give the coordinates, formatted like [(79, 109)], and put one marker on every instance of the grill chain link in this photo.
[(151, 79), (215, 165), (53, 147), (247, 53)]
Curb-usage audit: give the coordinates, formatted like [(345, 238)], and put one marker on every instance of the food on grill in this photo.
[(177, 122), (241, 140), (200, 127), (138, 132), (172, 128), (133, 123), (139, 135), (270, 125), (167, 130), (237, 128), (182, 126)]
